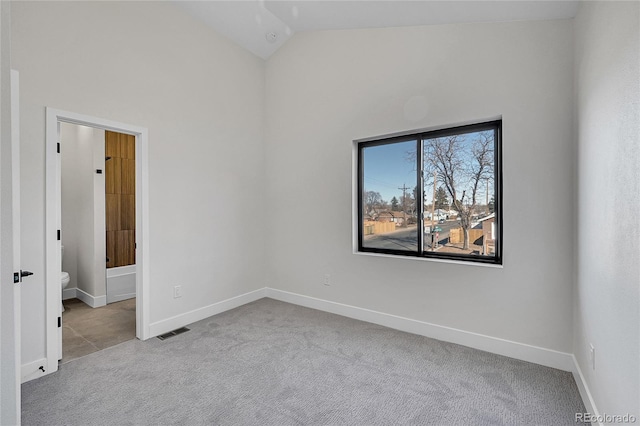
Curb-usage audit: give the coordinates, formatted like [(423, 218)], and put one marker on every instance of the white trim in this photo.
[(12, 341), (143, 287), (32, 370), (427, 259), (195, 315), (435, 127), (583, 388), (53, 295), (93, 301), (546, 357), (53, 260), (121, 283), (69, 293), (121, 271), (121, 297)]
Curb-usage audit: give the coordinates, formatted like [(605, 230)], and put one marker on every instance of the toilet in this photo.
[(64, 276)]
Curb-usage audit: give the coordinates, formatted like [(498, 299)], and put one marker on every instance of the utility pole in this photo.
[(487, 203), (433, 209), (404, 200), (433, 206)]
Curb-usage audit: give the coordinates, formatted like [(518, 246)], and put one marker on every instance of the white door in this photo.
[(15, 184), (11, 273)]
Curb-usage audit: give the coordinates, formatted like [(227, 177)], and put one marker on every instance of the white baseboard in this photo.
[(583, 388), (32, 370), (121, 297), (547, 357), (69, 293), (94, 302), (166, 325)]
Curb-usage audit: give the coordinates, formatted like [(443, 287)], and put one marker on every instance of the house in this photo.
[(392, 216), (488, 233), (384, 217), (228, 131), (439, 214)]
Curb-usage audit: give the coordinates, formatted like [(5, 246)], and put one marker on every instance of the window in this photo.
[(434, 194)]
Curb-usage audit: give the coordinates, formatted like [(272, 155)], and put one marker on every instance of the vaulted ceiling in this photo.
[(264, 26)]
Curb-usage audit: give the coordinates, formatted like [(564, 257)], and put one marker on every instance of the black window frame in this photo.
[(419, 137)]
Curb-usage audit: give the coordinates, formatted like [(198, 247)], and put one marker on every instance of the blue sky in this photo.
[(386, 169)]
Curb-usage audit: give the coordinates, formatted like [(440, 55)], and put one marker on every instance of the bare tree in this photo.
[(373, 202), (461, 163)]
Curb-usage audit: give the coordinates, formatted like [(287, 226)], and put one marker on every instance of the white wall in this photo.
[(83, 207), (201, 97), (325, 89), (607, 292), (70, 193)]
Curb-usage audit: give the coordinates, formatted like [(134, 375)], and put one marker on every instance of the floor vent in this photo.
[(173, 333)]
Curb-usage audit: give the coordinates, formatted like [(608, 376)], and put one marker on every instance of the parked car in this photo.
[(441, 221)]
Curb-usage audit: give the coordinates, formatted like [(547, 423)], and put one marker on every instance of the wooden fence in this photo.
[(372, 227), (456, 235)]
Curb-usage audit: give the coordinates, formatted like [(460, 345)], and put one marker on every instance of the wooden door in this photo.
[(120, 189)]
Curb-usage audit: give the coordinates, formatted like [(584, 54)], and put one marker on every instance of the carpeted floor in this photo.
[(273, 363)]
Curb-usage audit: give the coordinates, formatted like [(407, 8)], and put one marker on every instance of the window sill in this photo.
[(430, 259)]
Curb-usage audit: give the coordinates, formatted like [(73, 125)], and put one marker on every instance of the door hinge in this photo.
[(59, 322), (58, 147), (58, 235)]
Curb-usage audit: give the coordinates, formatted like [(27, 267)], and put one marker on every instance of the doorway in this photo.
[(97, 239), (54, 228)]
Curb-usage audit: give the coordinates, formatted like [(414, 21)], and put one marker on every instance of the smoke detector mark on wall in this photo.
[(271, 36)]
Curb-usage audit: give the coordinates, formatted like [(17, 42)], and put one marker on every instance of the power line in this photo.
[(404, 200), (380, 182)]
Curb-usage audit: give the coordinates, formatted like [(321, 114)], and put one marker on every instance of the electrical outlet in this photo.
[(327, 279), (177, 291), (592, 351)]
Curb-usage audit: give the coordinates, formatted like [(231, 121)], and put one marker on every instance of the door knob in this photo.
[(17, 276)]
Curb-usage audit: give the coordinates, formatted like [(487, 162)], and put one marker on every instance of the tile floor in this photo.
[(86, 330)]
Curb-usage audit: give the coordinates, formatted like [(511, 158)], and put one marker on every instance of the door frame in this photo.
[(53, 205)]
